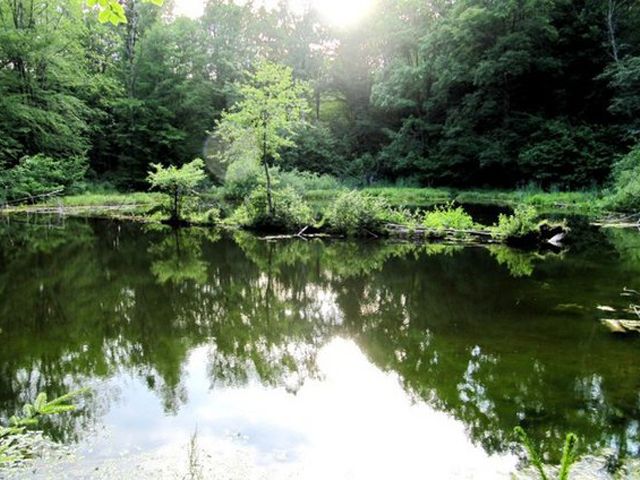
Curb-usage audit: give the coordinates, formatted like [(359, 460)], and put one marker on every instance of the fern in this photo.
[(31, 412), (569, 454), (534, 458)]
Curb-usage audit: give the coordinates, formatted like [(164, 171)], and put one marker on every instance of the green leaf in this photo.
[(104, 16), (40, 402)]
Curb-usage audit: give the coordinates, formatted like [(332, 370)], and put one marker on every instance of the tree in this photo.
[(272, 106), (43, 80), (113, 11), (177, 183)]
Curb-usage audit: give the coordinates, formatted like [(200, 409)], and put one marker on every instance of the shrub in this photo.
[(356, 213), (522, 223), (626, 194), (177, 183), (303, 182), (447, 217), (290, 211), (212, 216), (243, 176), (40, 174)]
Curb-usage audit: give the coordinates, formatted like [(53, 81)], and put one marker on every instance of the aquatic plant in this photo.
[(448, 217), (569, 454), (16, 444), (194, 467), (523, 222)]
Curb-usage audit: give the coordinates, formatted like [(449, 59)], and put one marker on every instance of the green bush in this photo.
[(626, 193), (303, 182), (39, 174), (523, 222), (290, 211), (242, 177), (355, 213), (448, 217), (177, 183)]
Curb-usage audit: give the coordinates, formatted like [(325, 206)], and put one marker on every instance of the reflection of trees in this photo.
[(178, 258), (493, 350)]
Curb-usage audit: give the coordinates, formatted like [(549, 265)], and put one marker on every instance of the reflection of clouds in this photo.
[(472, 391), (356, 422)]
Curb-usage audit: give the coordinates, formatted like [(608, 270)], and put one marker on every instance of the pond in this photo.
[(243, 358)]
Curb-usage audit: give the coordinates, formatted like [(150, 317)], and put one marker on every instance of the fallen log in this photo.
[(293, 236), (621, 325), (405, 228)]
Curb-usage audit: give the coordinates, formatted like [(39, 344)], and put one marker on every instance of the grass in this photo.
[(106, 199), (137, 204), (578, 202), (403, 197), (572, 202)]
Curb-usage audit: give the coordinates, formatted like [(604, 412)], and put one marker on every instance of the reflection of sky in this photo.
[(357, 422)]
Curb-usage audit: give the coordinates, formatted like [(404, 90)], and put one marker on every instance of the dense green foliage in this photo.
[(626, 195), (446, 217), (523, 222), (465, 93), (263, 121), (287, 212), (357, 214), (40, 175)]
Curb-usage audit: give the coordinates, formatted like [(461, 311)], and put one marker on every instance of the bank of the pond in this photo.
[(352, 213), (577, 202), (122, 206)]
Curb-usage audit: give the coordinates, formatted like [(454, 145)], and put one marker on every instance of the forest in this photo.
[(296, 214), (501, 94)]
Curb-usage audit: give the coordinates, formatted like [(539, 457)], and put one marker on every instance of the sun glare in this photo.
[(340, 13), (343, 13), (189, 8)]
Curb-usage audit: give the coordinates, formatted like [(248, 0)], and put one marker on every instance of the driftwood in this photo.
[(621, 325), (31, 198), (71, 210), (619, 221), (304, 237), (550, 236), (447, 234)]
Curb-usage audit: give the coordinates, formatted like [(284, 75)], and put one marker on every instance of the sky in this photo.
[(341, 13)]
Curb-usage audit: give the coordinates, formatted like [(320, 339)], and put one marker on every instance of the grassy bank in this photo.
[(137, 203), (579, 202), (131, 206)]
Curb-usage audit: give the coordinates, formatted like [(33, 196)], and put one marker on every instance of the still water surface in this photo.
[(314, 359)]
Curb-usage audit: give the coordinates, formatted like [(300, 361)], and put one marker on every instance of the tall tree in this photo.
[(272, 105)]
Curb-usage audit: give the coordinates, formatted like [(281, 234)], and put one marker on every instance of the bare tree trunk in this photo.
[(130, 45), (611, 29), (175, 214), (266, 169)]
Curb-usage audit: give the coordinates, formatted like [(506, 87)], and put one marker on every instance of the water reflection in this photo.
[(175, 329)]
